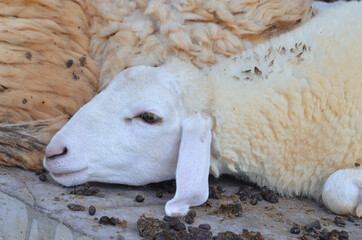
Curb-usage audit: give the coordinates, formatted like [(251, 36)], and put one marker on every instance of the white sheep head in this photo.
[(136, 132)]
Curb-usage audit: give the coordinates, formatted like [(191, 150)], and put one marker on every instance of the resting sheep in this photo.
[(131, 33), (286, 114), (40, 89)]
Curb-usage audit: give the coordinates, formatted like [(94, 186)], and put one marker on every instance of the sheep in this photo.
[(131, 33), (40, 89), (285, 114)]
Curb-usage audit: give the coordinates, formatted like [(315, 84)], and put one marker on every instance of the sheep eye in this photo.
[(149, 117)]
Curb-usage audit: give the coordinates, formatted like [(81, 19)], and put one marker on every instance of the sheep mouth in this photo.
[(67, 174)]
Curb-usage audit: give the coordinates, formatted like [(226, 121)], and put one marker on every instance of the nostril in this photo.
[(53, 154), (65, 150)]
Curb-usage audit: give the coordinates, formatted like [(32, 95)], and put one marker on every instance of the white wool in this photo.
[(293, 105), (131, 33)]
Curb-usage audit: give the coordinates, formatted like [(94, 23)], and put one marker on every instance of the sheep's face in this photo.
[(129, 133)]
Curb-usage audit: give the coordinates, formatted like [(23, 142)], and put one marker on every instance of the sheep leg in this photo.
[(342, 192)]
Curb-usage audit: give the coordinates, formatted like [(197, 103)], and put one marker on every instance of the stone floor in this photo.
[(32, 209)]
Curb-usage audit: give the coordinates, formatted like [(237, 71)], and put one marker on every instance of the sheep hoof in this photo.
[(342, 192)]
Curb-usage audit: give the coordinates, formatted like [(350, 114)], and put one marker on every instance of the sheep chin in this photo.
[(68, 174), (72, 178)]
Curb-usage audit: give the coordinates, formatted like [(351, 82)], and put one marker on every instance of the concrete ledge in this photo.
[(19, 221), (34, 210)]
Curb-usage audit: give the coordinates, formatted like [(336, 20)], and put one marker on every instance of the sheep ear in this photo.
[(192, 172)]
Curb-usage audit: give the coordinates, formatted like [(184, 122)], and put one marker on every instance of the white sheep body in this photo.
[(287, 113)]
